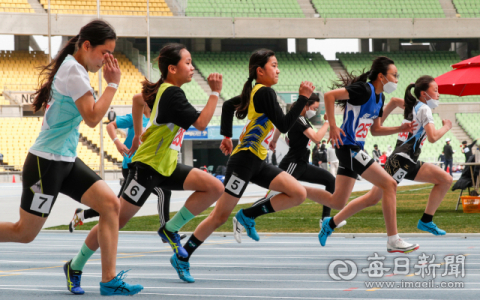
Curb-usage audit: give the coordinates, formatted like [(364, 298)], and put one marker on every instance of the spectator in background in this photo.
[(111, 115), (383, 159), (389, 150), (323, 157), (467, 150), (1, 159), (441, 159), (315, 156), (447, 149), (376, 153), (332, 160)]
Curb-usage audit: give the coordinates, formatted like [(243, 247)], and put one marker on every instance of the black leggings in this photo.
[(163, 204), (304, 171)]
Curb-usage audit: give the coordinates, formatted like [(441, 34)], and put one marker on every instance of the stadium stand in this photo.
[(411, 65), (18, 69), (18, 6), (19, 134), (469, 123), (294, 68), (244, 8), (111, 7), (382, 9), (467, 8)]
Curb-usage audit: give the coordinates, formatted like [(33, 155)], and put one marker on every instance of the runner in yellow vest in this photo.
[(155, 163), (247, 162)]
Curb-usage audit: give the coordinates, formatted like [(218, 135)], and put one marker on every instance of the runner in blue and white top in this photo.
[(362, 102), (404, 163), (52, 166)]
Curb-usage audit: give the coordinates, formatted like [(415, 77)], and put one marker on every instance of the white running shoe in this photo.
[(343, 223), (237, 230), (401, 246), (77, 220)]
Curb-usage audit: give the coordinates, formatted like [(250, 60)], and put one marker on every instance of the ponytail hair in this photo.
[(96, 32), (258, 59), (379, 65), (422, 84), (313, 98), (169, 55)]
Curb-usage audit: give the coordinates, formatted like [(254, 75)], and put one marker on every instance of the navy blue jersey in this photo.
[(358, 117)]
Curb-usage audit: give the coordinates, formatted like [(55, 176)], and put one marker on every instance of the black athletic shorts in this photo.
[(400, 167), (143, 179), (243, 167), (43, 179), (353, 161), (304, 171)]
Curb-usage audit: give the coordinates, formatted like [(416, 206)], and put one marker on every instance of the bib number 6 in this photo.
[(134, 190)]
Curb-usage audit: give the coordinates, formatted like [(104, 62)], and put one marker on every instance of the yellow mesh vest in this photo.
[(160, 142), (258, 131)]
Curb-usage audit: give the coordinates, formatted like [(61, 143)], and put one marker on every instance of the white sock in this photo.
[(80, 215), (393, 238)]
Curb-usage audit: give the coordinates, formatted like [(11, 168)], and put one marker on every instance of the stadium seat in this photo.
[(467, 8), (239, 8), (382, 9)]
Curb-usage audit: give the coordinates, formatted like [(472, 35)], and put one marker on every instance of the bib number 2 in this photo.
[(268, 138)]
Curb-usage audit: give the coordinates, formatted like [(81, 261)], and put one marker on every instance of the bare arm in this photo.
[(92, 112), (377, 129), (112, 132), (316, 137), (433, 134), (394, 103), (273, 142), (330, 98), (215, 83), (138, 104)]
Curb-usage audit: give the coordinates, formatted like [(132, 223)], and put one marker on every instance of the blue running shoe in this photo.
[(430, 227), (173, 240), (73, 279), (325, 232), (118, 287), (182, 268), (240, 221)]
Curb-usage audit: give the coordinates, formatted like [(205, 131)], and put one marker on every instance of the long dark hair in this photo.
[(96, 32), (258, 59), (313, 98), (421, 85), (169, 55), (379, 65)]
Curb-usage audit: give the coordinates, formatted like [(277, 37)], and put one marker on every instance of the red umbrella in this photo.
[(464, 81), (474, 61)]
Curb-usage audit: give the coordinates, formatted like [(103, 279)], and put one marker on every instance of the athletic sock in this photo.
[(190, 246), (182, 217), (79, 261), (393, 238), (90, 213), (332, 224), (258, 210), (426, 218), (326, 212)]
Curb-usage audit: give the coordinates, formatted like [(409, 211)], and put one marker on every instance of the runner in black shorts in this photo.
[(247, 161), (362, 102), (163, 196), (155, 164), (52, 165), (404, 163), (296, 163)]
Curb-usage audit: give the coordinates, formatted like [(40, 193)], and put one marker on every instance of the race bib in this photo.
[(266, 141), (134, 190), (362, 129), (363, 157), (178, 140), (235, 185), (399, 175), (309, 144), (403, 136), (423, 141), (466, 150), (41, 203)]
